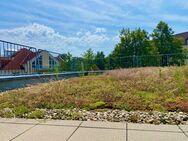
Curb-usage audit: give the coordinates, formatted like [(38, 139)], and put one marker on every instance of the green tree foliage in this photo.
[(89, 57), (163, 38), (100, 60), (136, 48), (132, 44), (165, 42), (65, 64), (76, 64)]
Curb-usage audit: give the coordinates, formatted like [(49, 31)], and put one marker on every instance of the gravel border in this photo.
[(172, 118)]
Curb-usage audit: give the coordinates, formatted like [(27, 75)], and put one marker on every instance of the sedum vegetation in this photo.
[(145, 89)]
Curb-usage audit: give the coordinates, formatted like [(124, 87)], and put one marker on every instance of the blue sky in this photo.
[(77, 25)]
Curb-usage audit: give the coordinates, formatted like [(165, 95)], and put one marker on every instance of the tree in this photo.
[(166, 43), (132, 44), (76, 64), (100, 60), (89, 57), (178, 53), (66, 61), (163, 38)]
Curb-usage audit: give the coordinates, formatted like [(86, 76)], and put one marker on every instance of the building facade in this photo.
[(42, 62), (27, 61)]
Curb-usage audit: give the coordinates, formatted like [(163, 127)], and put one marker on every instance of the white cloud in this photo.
[(100, 30), (45, 37), (181, 4), (179, 18), (143, 3)]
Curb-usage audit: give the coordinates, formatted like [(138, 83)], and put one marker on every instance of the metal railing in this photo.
[(17, 59), (31, 62), (120, 62)]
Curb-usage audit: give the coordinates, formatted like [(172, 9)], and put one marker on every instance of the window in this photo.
[(37, 64), (34, 65), (52, 63), (9, 53), (186, 41)]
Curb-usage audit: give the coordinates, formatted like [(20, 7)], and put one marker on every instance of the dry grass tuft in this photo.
[(130, 74)]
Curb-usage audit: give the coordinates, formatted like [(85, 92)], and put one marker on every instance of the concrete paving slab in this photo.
[(61, 123), (150, 127), (19, 121), (9, 131), (59, 130), (155, 136), (184, 127), (93, 134), (47, 133), (112, 125)]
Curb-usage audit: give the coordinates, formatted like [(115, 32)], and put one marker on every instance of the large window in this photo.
[(37, 64), (52, 63)]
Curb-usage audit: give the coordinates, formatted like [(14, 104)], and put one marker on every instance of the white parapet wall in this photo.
[(11, 72)]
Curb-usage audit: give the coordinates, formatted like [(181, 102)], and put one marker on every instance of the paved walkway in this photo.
[(56, 130)]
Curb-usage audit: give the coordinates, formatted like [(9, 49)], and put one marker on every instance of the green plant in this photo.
[(185, 71), (122, 106), (117, 89), (20, 111), (179, 78), (37, 114), (55, 106), (6, 113), (74, 115), (57, 72), (97, 105), (159, 108), (83, 69)]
